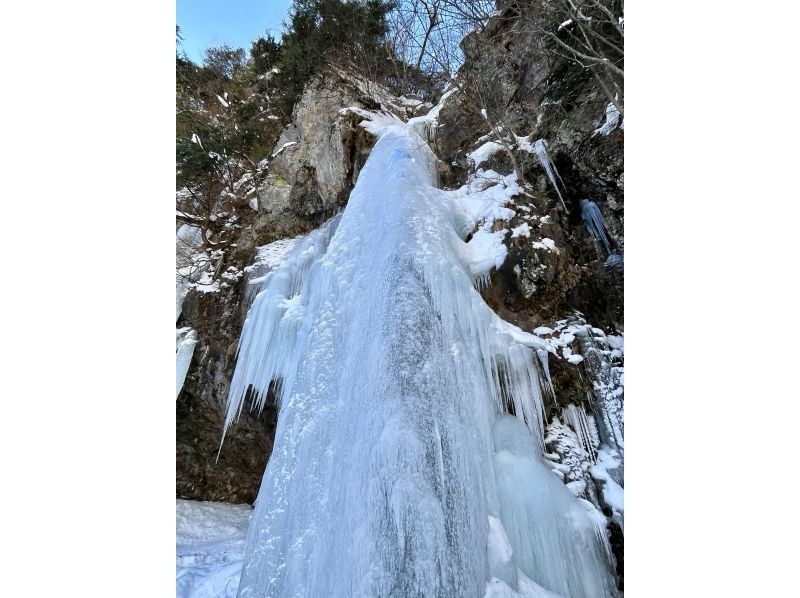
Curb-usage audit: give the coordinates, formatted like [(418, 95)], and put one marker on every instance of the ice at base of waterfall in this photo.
[(210, 541)]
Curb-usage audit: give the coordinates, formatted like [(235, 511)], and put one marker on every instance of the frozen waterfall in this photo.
[(393, 466)]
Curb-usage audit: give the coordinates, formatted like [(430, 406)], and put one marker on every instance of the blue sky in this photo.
[(206, 23)]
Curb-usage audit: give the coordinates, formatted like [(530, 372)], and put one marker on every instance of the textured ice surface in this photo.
[(555, 542), (210, 540), (611, 122), (185, 341), (593, 220), (540, 149), (390, 372)]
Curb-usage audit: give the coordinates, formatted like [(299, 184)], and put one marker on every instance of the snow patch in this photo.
[(210, 545)]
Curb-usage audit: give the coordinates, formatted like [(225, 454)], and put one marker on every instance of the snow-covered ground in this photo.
[(210, 542)]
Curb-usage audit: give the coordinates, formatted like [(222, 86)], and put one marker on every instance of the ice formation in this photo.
[(391, 454), (612, 121), (210, 541), (540, 149), (427, 126), (593, 220), (188, 241), (554, 540), (185, 340)]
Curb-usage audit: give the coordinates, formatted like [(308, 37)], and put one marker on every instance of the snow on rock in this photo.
[(612, 492), (523, 230), (210, 544), (485, 251), (268, 257), (376, 122), (283, 148), (188, 241), (484, 152), (547, 244), (484, 198), (568, 457)]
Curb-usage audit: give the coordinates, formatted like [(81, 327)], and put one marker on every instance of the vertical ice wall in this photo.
[(390, 371)]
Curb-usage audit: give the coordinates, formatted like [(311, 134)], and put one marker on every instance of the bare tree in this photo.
[(589, 33)]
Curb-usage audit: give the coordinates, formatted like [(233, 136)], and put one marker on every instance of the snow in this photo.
[(484, 152), (523, 230), (391, 451), (188, 241), (497, 588), (270, 256), (613, 494), (210, 543), (427, 125), (524, 144), (484, 198), (485, 251), (547, 244), (375, 123), (282, 148)]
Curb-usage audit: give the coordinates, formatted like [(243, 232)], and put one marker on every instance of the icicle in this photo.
[(185, 341), (593, 220), (271, 330), (540, 149), (576, 418), (611, 122)]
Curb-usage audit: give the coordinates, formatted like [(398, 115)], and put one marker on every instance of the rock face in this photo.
[(555, 273), (317, 157), (558, 268), (308, 177)]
